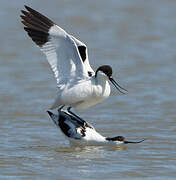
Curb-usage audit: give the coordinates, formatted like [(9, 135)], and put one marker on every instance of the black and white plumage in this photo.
[(56, 44), (78, 85), (81, 132)]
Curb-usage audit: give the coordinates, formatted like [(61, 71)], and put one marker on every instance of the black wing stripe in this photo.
[(82, 52), (64, 126), (38, 37)]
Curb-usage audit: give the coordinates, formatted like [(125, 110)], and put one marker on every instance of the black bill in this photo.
[(133, 142), (119, 88)]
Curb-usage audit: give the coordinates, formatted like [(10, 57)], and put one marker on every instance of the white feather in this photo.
[(63, 56)]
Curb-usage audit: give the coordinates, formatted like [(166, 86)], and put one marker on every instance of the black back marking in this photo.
[(36, 25), (65, 127), (82, 52)]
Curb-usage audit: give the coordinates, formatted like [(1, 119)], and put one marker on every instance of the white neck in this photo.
[(94, 138), (102, 87), (101, 78)]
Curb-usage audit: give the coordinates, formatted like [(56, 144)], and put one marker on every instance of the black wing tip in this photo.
[(26, 8), (37, 17), (25, 28), (24, 12), (49, 112), (36, 13), (29, 8), (53, 117), (36, 25)]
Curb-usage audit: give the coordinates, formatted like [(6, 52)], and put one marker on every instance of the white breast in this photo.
[(92, 137), (83, 94)]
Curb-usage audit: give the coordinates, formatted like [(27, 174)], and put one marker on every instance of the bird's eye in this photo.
[(89, 73)]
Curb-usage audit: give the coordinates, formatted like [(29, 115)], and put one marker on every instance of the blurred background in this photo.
[(137, 38)]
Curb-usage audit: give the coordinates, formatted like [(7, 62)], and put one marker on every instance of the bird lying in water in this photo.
[(78, 131)]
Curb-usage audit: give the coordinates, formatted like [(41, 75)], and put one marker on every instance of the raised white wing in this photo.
[(61, 49)]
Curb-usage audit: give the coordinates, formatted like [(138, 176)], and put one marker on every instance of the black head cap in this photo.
[(117, 138), (105, 69)]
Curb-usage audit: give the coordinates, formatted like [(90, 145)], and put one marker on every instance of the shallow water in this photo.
[(138, 39)]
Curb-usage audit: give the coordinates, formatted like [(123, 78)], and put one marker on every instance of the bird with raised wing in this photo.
[(78, 85), (79, 133)]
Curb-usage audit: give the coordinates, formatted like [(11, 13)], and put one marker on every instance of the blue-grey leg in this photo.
[(78, 118), (60, 108)]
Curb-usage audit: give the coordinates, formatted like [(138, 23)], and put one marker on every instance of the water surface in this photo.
[(138, 39)]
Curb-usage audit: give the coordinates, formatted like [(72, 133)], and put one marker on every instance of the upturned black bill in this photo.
[(119, 88), (133, 142)]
